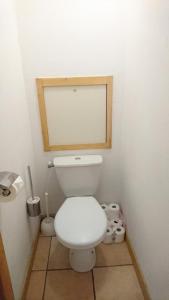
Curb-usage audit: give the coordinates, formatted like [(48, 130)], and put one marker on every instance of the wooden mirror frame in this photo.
[(75, 81)]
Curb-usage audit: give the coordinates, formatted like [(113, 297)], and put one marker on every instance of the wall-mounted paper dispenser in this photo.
[(10, 184)]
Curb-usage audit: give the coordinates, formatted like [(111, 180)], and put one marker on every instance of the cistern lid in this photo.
[(77, 160)]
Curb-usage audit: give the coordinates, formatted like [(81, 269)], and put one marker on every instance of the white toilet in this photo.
[(80, 223)]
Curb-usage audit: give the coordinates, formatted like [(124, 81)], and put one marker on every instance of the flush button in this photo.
[(77, 158)]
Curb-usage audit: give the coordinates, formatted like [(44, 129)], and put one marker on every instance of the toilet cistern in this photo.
[(78, 175)]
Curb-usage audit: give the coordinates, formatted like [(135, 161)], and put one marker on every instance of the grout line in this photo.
[(44, 286), (94, 292), (63, 269), (37, 270), (49, 253), (113, 266), (47, 269), (95, 267)]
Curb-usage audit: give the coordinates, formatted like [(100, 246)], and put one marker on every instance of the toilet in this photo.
[(80, 223)]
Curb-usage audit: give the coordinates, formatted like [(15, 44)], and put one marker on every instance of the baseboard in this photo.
[(29, 269), (139, 273)]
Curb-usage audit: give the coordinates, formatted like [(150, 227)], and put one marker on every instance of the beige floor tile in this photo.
[(59, 256), (68, 285), (112, 255), (42, 252), (117, 283), (36, 286)]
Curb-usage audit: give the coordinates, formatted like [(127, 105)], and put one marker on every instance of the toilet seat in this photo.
[(80, 223)]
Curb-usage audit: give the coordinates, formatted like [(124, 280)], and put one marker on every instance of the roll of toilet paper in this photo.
[(121, 217), (108, 236), (115, 222), (7, 195), (119, 234), (113, 211), (104, 206)]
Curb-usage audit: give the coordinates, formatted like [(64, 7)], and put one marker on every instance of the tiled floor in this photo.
[(52, 278)]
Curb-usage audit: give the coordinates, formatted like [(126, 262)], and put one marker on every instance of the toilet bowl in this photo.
[(80, 225)]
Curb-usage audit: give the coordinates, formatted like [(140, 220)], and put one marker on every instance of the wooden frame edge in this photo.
[(78, 147), (138, 271), (109, 102), (5, 278), (30, 264), (62, 81), (43, 117), (49, 82)]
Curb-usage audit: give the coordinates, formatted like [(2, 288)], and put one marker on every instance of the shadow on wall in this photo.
[(52, 187)]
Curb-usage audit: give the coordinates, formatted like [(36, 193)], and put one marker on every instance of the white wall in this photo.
[(72, 38), (15, 149), (129, 40), (145, 139)]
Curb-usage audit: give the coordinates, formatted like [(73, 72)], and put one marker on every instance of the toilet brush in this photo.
[(47, 224)]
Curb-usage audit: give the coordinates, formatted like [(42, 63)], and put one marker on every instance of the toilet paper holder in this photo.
[(6, 181)]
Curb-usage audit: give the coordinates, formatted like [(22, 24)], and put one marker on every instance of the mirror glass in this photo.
[(76, 114)]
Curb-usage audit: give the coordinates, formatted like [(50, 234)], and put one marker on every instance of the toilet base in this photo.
[(82, 260)]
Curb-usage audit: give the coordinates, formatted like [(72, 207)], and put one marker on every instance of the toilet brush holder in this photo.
[(47, 224), (33, 206)]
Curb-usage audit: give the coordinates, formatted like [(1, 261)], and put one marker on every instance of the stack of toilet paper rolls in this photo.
[(115, 230)]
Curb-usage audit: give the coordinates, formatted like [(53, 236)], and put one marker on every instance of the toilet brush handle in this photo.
[(30, 180), (47, 207)]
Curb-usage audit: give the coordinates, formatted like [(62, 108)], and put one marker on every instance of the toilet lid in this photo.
[(80, 223)]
